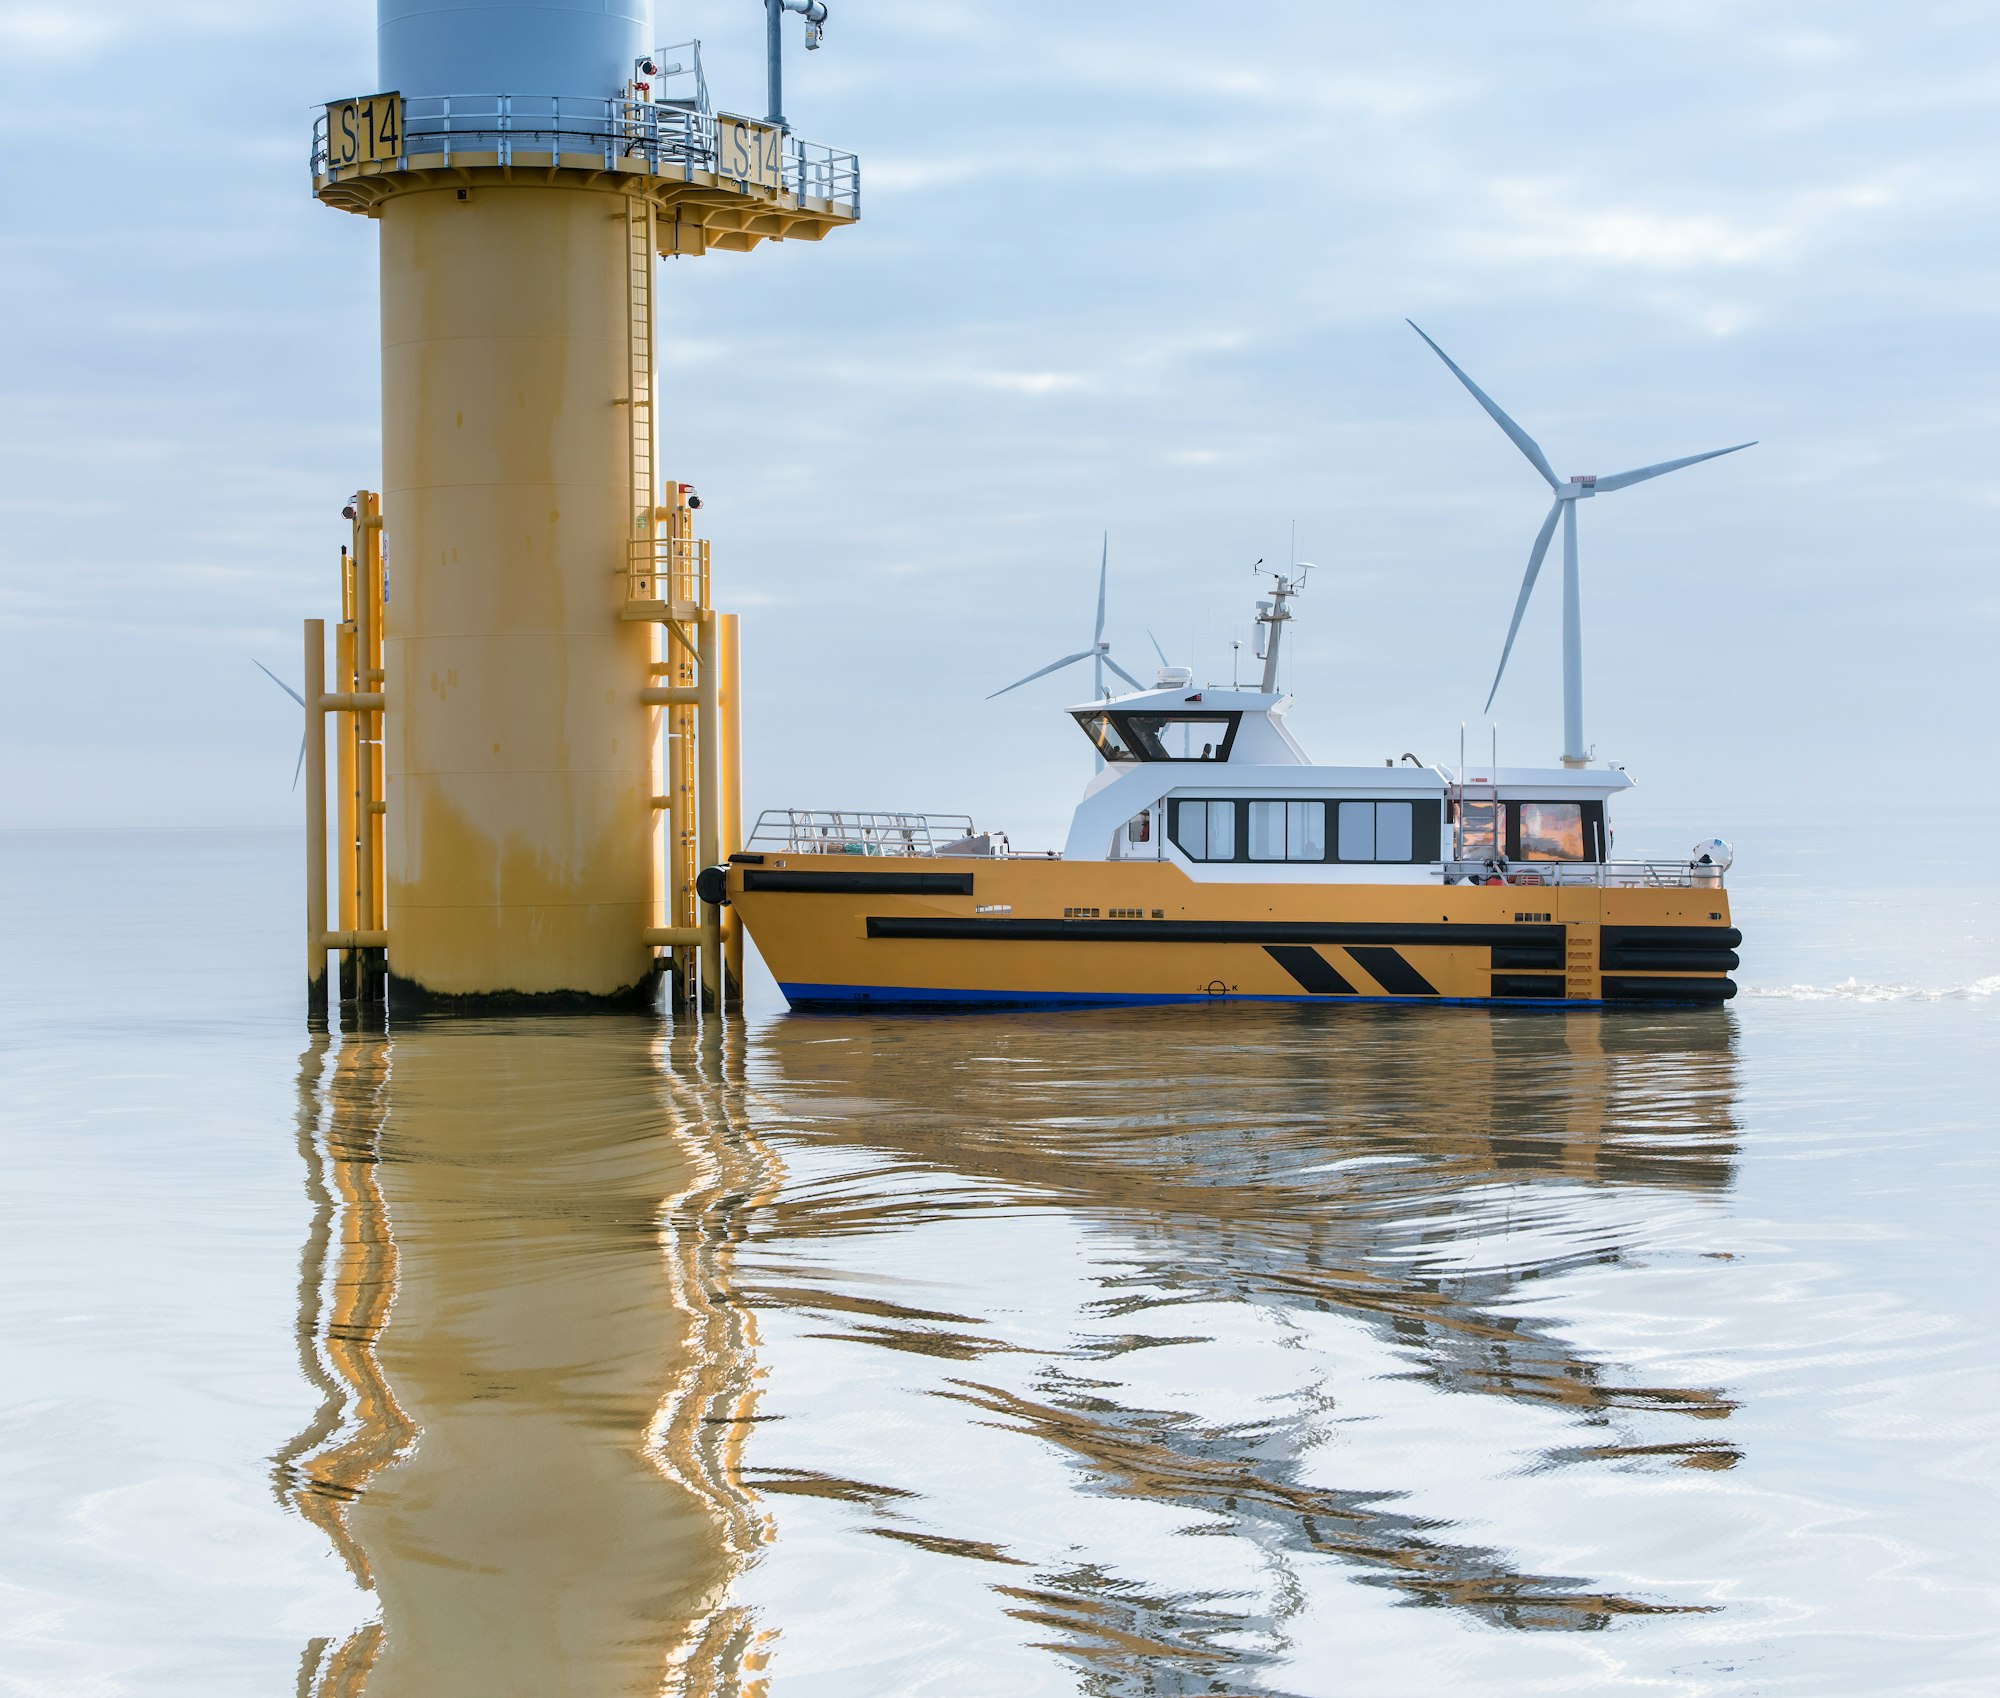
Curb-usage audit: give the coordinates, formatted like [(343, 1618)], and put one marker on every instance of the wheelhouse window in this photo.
[(1182, 736), (1261, 829), (1106, 737), (1161, 736)]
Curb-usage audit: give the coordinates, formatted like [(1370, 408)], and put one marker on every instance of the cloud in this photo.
[(1030, 382), (1539, 221), (55, 32)]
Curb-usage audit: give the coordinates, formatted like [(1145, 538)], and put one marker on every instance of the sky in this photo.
[(1136, 269)]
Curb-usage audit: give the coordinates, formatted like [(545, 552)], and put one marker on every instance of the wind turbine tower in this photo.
[(532, 686), (1568, 492)]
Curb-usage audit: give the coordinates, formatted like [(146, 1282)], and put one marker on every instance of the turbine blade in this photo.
[(1103, 567), (1053, 666), (275, 679), (302, 762), (1623, 480), (1519, 437), (1535, 557), (1122, 673), (1162, 653)]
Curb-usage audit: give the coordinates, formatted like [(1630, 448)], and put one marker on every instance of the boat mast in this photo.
[(1272, 618)]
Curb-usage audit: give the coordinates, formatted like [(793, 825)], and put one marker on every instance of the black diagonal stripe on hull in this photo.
[(1391, 971), (970, 929), (1311, 969)]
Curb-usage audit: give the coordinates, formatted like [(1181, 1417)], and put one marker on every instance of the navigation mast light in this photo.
[(814, 13)]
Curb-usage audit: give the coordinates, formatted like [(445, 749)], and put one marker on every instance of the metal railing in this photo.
[(672, 140), (1653, 875), (852, 831), (667, 569)]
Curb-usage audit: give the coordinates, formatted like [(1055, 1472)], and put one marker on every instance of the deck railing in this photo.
[(668, 569), (852, 831), (1658, 875), (672, 140)]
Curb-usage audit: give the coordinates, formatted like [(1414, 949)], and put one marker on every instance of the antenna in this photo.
[(1567, 495)]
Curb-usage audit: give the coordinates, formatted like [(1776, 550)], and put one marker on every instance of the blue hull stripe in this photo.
[(913, 996)]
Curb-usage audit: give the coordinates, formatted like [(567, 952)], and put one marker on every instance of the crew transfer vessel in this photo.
[(1211, 859)]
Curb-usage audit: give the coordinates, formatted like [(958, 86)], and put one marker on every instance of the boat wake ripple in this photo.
[(1855, 990)]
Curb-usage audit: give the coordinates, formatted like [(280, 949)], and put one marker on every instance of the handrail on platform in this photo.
[(670, 139)]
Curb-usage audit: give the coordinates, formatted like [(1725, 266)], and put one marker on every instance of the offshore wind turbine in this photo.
[(275, 679), (1568, 493), (1099, 650)]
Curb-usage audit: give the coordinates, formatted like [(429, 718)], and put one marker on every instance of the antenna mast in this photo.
[(1273, 616)]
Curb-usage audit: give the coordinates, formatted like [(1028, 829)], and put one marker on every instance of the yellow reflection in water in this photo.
[(533, 1401), (528, 1291)]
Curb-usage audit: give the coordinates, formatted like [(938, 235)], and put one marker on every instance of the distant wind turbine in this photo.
[(1099, 650), (1568, 494), (275, 679)]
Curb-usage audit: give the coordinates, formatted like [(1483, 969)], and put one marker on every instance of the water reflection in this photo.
[(1419, 1178), (1307, 1290), (533, 1395)]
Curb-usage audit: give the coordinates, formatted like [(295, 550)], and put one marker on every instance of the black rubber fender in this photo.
[(711, 884)]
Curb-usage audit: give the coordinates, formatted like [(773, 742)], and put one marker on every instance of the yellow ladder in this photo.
[(639, 250), (695, 806)]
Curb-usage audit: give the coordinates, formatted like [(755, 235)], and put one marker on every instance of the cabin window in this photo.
[(1287, 831), (1556, 831), (1395, 835), (1275, 830), (1206, 831), (1478, 829), (1551, 831), (1377, 831), (1139, 828)]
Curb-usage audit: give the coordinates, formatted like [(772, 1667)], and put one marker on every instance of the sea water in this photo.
[(1223, 1350)]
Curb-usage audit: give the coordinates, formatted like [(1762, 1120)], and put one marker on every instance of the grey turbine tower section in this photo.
[(1568, 493), (570, 48)]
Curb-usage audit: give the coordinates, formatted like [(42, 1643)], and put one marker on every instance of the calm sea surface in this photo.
[(1300, 1351)]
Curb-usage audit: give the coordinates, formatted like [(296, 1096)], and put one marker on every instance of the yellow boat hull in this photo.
[(854, 930)]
